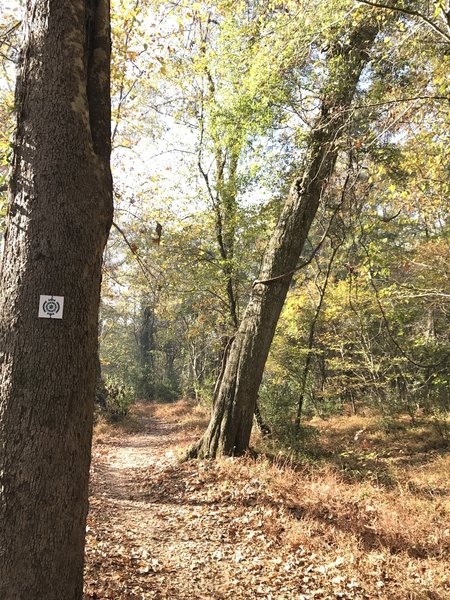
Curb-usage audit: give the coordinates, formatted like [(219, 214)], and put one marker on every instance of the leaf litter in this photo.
[(161, 529)]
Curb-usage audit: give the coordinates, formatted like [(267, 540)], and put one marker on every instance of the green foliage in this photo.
[(9, 50), (118, 351), (235, 88), (6, 133), (119, 398), (213, 104)]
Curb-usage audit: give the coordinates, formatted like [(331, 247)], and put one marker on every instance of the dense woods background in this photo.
[(223, 111), (214, 104)]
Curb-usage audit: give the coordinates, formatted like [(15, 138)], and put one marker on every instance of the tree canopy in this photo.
[(215, 104)]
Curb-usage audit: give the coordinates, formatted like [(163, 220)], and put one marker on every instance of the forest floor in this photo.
[(372, 524)]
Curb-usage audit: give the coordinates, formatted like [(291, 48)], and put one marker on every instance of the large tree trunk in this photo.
[(146, 345), (59, 217), (235, 397)]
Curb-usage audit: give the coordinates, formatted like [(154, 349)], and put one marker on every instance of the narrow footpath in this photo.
[(243, 529), (158, 529)]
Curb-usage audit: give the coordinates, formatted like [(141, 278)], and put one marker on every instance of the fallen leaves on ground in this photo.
[(227, 529)]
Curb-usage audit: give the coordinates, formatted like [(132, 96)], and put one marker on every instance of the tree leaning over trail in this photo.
[(59, 217), (235, 396)]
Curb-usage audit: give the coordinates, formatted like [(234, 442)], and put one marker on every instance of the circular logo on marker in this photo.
[(51, 307)]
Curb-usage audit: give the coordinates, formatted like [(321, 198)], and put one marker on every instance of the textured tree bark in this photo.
[(229, 430), (59, 218), (146, 344)]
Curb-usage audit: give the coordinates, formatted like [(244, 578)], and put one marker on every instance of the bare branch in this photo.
[(409, 11), (144, 268), (385, 319), (305, 263)]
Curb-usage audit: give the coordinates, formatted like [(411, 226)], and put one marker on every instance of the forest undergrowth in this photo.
[(366, 517)]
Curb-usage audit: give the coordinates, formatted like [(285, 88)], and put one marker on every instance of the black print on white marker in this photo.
[(51, 307)]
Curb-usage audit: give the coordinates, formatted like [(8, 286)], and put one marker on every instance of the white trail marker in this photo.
[(51, 307)]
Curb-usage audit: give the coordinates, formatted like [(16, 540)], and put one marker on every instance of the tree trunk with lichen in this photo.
[(60, 212), (235, 396)]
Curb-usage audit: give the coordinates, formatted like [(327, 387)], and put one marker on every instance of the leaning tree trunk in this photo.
[(59, 217), (235, 396)]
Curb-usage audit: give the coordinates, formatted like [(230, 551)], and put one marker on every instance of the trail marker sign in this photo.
[(51, 307)]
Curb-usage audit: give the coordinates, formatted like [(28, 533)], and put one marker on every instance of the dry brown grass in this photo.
[(386, 543), (375, 511), (104, 429), (192, 417), (370, 516), (380, 502)]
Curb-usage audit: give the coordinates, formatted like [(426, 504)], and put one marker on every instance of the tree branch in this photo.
[(385, 319), (144, 268), (306, 262), (408, 11)]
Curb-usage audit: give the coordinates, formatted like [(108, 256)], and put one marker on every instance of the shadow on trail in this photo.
[(178, 484)]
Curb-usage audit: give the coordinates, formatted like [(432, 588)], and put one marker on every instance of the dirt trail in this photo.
[(243, 529), (158, 529)]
